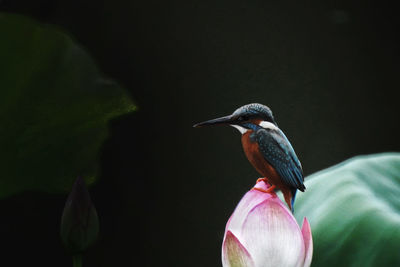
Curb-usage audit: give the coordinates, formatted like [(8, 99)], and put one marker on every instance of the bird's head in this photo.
[(248, 117)]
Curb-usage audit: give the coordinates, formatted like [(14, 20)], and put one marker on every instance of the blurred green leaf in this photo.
[(54, 108), (354, 212)]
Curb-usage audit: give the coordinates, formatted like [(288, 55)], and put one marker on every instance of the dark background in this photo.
[(328, 69)]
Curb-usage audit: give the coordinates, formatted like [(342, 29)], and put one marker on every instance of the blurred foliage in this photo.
[(54, 108), (354, 212)]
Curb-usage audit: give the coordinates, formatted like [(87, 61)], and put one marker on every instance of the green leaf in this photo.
[(354, 212), (54, 108)]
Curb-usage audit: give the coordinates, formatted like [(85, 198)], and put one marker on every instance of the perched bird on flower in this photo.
[(267, 148), (262, 232)]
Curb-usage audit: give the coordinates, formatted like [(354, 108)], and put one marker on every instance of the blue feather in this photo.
[(278, 151), (294, 191)]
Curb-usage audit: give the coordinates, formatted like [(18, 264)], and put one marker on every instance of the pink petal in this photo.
[(308, 242), (248, 202), (272, 236), (234, 254)]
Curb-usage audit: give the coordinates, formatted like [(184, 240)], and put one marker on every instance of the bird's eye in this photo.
[(242, 118)]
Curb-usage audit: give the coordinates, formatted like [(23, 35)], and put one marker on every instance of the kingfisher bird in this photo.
[(267, 148)]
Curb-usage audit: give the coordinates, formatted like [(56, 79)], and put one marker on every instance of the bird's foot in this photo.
[(264, 179), (268, 191)]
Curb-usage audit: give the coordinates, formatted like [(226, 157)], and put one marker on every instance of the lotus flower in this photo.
[(263, 232)]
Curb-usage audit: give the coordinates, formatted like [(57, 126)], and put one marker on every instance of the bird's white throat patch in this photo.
[(241, 129), (268, 125), (263, 124)]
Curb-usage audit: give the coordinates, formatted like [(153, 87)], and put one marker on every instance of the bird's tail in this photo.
[(293, 191)]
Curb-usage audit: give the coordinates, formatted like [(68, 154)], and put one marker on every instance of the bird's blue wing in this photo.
[(278, 151)]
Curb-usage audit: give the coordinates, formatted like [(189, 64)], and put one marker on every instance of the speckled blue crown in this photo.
[(256, 110)]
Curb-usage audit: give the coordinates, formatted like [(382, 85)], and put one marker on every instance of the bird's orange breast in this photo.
[(253, 154)]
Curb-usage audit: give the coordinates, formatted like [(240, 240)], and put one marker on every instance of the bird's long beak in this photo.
[(222, 120)]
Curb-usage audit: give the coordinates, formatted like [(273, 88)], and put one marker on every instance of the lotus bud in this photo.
[(79, 222), (263, 232)]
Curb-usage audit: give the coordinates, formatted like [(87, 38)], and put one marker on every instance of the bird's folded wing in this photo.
[(278, 151)]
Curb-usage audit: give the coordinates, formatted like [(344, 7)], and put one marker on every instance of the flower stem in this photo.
[(77, 260)]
